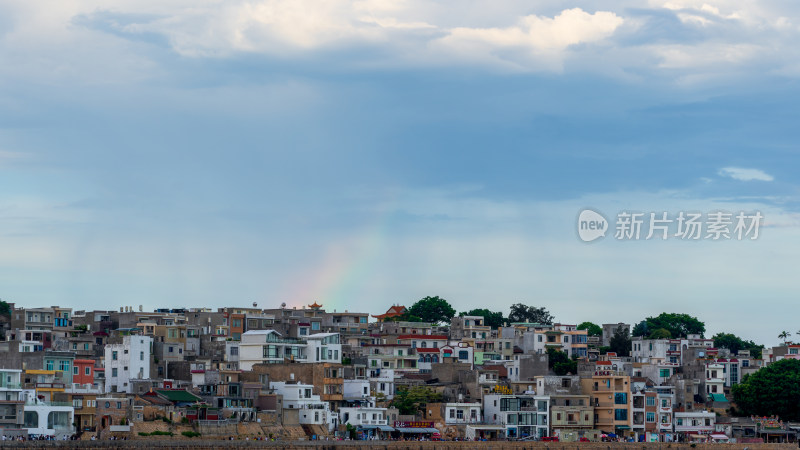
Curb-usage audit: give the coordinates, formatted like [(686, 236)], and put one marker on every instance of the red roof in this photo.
[(603, 363), (422, 337), (427, 350), (393, 311)]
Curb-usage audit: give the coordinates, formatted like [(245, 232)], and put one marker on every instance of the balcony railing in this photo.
[(50, 386)]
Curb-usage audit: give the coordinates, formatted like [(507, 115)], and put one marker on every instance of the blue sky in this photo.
[(366, 153)]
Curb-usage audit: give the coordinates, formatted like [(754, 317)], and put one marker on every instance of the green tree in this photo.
[(735, 343), (592, 329), (529, 314), (774, 389), (560, 363), (411, 400), (620, 342), (678, 325), (785, 336), (433, 310), (5, 308), (492, 319), (661, 333)]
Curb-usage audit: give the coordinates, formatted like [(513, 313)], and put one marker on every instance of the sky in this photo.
[(367, 153)]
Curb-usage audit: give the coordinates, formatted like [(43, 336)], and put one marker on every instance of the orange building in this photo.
[(83, 371)]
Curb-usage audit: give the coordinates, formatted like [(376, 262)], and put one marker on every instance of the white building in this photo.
[(382, 382), (313, 411), (43, 418), (462, 413), (324, 348), (127, 361), (695, 422), (666, 350), (266, 347), (520, 415), (356, 390)]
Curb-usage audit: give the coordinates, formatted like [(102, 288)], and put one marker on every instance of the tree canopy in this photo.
[(592, 329), (678, 325), (772, 390), (620, 342), (432, 309), (529, 314), (411, 400), (735, 343), (560, 363), (5, 308), (490, 318)]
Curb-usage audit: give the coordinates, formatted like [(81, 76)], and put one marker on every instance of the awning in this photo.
[(385, 428), (418, 430), (368, 427), (718, 398), (719, 436)]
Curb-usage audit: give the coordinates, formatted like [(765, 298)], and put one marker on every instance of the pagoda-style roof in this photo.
[(315, 305)]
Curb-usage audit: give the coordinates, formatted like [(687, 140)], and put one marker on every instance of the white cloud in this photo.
[(741, 174)]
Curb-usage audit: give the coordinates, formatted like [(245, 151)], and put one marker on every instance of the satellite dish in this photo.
[(283, 305), (255, 304)]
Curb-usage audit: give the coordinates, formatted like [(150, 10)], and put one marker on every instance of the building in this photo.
[(127, 361)]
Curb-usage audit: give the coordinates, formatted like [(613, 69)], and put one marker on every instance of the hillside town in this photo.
[(310, 373)]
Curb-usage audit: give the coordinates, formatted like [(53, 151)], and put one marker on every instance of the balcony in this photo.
[(10, 386), (50, 386)]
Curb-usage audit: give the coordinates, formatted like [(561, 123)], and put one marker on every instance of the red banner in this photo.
[(416, 424)]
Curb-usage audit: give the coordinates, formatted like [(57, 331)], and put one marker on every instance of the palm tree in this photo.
[(784, 335)]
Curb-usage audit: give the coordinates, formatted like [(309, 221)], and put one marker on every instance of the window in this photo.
[(651, 417), (664, 373), (75, 370), (113, 374), (141, 356), (621, 398), (114, 356), (31, 419), (452, 413), (234, 351), (650, 401), (460, 414), (50, 366), (620, 414), (88, 371), (315, 326)]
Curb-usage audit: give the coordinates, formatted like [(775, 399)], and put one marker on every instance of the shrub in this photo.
[(162, 433), (190, 434)]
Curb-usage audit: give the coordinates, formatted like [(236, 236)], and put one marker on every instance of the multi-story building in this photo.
[(610, 392), (668, 350), (521, 415), (11, 399), (267, 347), (312, 409), (571, 416), (127, 361), (346, 323), (694, 423)]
